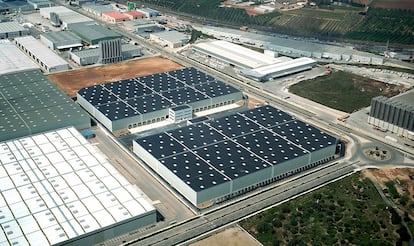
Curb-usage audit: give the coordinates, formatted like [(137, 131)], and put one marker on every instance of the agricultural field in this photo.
[(343, 91), (323, 21), (383, 25), (311, 21), (347, 212), (393, 4)]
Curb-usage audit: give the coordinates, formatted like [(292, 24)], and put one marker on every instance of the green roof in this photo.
[(30, 103), (93, 33)]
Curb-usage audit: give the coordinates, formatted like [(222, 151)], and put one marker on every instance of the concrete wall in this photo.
[(112, 231)]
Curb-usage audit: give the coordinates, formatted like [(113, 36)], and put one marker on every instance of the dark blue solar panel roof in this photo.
[(235, 146), (155, 92), (161, 145), (234, 125), (148, 103), (304, 135), (196, 135), (117, 110), (184, 95), (215, 89), (268, 116), (194, 171)]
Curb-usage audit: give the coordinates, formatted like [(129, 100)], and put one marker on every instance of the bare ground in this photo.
[(403, 179), (393, 4), (234, 236), (72, 81)]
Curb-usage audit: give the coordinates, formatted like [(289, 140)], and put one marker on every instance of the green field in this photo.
[(347, 212), (325, 21), (343, 91)]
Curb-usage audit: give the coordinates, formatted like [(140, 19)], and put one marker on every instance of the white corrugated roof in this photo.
[(59, 190), (43, 53), (237, 53), (284, 65), (12, 59)]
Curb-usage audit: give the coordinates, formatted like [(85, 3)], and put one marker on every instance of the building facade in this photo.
[(394, 114)]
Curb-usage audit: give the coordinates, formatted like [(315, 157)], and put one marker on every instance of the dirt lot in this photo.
[(393, 4), (71, 81), (403, 179), (234, 236)]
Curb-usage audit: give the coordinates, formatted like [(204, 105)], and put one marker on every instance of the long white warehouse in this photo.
[(253, 64), (234, 54), (12, 59), (40, 54), (276, 70)]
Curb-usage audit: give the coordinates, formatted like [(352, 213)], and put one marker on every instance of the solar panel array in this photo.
[(214, 152), (136, 96), (56, 186)]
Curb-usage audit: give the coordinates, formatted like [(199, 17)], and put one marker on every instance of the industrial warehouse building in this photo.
[(91, 56), (30, 104), (212, 161), (57, 189), (93, 33), (279, 69), (395, 114), (114, 17), (37, 4), (171, 39), (253, 64), (144, 100), (294, 48), (44, 57), (234, 54), (9, 30), (65, 17), (97, 8), (12, 59), (61, 40)]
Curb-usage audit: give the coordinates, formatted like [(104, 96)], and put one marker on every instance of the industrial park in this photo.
[(119, 128)]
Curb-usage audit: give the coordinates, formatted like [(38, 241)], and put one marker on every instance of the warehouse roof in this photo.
[(405, 98), (93, 32), (56, 186), (134, 13), (98, 7), (171, 36), (150, 93), (65, 37), (267, 40), (115, 15), (11, 26), (210, 153), (65, 15), (281, 67), (236, 54), (30, 103), (85, 53), (40, 51), (12, 59)]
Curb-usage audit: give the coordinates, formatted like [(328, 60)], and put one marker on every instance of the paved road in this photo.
[(229, 212), (235, 211)]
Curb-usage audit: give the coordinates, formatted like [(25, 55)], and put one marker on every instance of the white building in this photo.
[(66, 16), (12, 59), (171, 39), (179, 113), (41, 54), (280, 69), (253, 64), (58, 189), (234, 54), (9, 30)]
